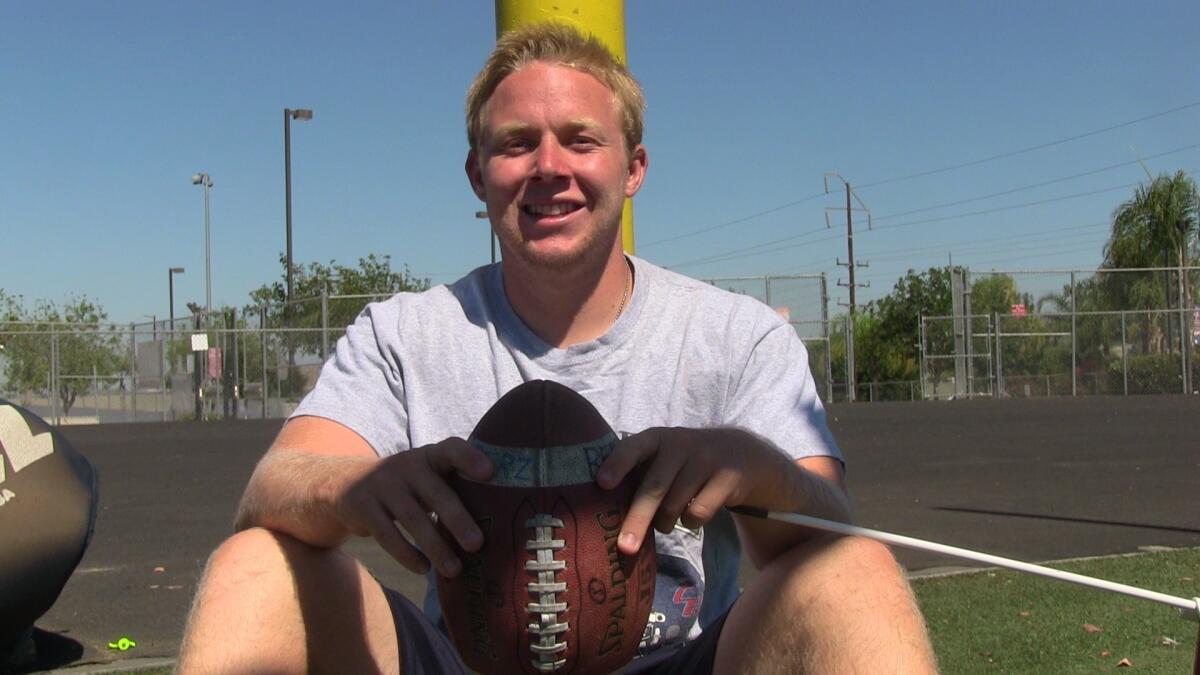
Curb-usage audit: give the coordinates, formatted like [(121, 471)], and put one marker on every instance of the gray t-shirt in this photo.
[(419, 368)]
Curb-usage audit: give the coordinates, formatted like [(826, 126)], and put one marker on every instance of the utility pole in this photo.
[(850, 265)]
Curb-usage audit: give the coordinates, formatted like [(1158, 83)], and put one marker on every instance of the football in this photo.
[(548, 592)]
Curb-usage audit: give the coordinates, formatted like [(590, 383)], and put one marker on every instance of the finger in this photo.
[(425, 535), (383, 528), (440, 498), (712, 498), (626, 455), (654, 487), (691, 479), (455, 454)]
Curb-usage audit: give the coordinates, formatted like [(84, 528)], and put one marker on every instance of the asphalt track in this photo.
[(1030, 479)]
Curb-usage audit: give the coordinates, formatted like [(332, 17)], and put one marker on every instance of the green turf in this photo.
[(1008, 622)]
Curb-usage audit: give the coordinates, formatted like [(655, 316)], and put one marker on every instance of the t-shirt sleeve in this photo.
[(362, 385), (776, 397)]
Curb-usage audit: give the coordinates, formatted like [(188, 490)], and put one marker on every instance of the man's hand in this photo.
[(402, 491), (692, 473)]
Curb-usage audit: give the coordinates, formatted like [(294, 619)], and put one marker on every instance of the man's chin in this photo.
[(554, 259)]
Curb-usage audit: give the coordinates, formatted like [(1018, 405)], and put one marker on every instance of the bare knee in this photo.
[(811, 597), (270, 603), (251, 553)]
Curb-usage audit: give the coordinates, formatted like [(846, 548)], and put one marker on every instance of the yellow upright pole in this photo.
[(603, 18)]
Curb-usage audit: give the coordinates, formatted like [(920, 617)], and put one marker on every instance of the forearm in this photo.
[(295, 493), (811, 486)]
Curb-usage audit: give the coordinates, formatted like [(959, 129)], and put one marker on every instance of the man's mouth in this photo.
[(544, 210)]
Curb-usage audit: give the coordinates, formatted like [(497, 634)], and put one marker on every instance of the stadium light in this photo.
[(205, 180), (171, 272), (289, 115), (481, 215)]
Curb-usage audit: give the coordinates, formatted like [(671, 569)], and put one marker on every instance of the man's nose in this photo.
[(550, 160)]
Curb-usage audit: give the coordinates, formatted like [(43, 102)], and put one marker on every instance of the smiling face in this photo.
[(552, 167)]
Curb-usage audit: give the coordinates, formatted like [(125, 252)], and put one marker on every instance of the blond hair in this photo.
[(563, 45)]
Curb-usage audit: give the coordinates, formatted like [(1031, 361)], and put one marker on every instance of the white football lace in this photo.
[(547, 647)]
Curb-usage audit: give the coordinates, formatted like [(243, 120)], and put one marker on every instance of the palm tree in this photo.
[(1155, 228)]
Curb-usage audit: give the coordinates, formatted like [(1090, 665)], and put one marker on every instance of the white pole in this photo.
[(1189, 609)]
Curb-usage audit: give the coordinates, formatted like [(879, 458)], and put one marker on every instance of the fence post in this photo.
[(1185, 334), (133, 386), (262, 329), (162, 371), (1124, 356), (53, 383), (999, 357), (851, 394), (236, 393), (921, 354), (1074, 309), (196, 375), (324, 324), (828, 346)]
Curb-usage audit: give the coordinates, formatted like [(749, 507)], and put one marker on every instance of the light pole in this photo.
[(171, 272), (482, 215), (288, 116), (206, 181)]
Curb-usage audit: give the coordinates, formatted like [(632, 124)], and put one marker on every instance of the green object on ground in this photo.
[(998, 621), (124, 644)]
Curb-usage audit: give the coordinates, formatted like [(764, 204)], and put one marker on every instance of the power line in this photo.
[(1037, 185), (1008, 208), (749, 250), (732, 222), (943, 247), (1015, 206), (1045, 236), (1040, 146), (809, 198)]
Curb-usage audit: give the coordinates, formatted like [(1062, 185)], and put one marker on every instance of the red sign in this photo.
[(1018, 309), (214, 363)]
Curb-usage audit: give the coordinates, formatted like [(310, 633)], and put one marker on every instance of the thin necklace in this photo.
[(625, 296)]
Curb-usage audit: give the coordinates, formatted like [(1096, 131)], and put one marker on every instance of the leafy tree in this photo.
[(899, 316), (1155, 228), (84, 346), (373, 277), (996, 294), (887, 330)]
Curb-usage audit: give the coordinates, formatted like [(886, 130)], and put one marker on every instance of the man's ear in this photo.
[(475, 175), (639, 161)]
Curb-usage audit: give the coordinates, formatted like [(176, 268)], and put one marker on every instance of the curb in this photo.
[(122, 666)]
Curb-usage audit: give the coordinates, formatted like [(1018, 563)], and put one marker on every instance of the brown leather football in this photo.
[(548, 592)]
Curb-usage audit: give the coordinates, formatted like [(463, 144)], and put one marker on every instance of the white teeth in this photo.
[(549, 209)]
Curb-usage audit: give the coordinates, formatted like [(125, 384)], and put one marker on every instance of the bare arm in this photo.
[(815, 487), (296, 485), (693, 473), (320, 482)]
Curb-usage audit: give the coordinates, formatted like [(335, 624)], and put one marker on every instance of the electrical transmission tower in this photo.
[(851, 265)]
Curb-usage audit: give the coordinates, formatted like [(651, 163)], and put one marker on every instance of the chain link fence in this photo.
[(1074, 339), (1060, 354), (1070, 333), (803, 301)]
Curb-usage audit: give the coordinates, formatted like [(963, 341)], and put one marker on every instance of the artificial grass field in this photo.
[(1009, 622)]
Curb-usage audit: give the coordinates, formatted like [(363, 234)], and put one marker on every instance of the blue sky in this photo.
[(109, 108)]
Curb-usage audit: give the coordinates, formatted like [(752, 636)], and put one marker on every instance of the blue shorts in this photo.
[(425, 649)]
